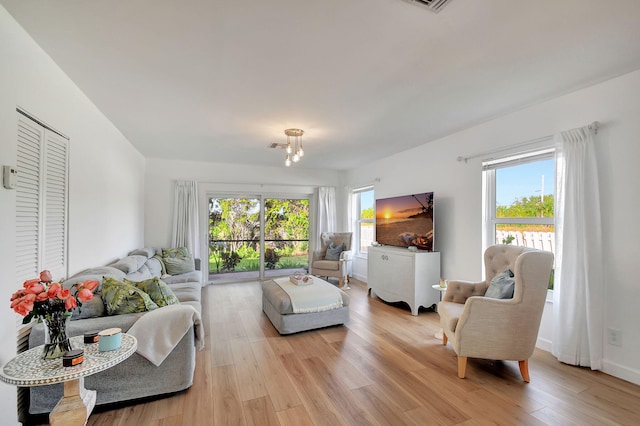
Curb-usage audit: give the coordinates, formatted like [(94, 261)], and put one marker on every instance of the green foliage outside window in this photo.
[(528, 207)]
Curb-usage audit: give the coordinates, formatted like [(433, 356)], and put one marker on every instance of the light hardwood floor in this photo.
[(384, 367)]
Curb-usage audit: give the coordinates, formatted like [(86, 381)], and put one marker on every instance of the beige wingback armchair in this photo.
[(340, 268), (500, 329)]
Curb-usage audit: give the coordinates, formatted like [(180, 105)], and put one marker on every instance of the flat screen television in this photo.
[(405, 221)]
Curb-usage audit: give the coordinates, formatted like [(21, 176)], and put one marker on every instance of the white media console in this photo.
[(396, 274)]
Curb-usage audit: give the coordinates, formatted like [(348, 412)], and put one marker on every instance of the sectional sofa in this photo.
[(136, 377)]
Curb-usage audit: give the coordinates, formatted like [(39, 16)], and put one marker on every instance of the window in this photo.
[(519, 200), (364, 219)]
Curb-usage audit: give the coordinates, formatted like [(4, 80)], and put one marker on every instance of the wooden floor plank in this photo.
[(260, 412), (226, 405), (250, 380), (296, 416), (279, 387)]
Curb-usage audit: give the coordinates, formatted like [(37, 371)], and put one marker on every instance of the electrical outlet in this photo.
[(615, 336)]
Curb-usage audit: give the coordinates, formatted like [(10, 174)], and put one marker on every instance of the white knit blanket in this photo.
[(160, 330), (317, 297)]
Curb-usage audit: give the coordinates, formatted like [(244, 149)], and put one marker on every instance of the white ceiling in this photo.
[(220, 80)]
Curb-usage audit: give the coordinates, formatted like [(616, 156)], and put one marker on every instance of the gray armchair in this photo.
[(340, 268), (500, 329)]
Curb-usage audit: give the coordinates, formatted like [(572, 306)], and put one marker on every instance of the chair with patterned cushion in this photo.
[(334, 257), (494, 328)]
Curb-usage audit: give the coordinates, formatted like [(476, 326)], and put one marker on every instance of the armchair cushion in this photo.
[(501, 286), (333, 252), (460, 291), (327, 265)]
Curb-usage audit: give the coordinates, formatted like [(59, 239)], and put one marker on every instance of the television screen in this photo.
[(405, 221)]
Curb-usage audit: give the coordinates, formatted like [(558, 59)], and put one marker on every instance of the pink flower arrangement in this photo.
[(41, 297)]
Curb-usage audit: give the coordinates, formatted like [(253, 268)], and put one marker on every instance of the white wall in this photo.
[(161, 175), (458, 201), (106, 173)]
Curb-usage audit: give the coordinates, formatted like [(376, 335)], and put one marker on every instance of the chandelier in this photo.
[(294, 146)]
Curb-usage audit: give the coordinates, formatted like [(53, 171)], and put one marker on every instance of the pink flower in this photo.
[(85, 295), (53, 290), (17, 295), (33, 288), (64, 294), (29, 283), (70, 303), (45, 276), (23, 305), (42, 297), (89, 285)]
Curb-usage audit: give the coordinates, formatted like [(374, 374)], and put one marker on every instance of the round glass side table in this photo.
[(29, 369)]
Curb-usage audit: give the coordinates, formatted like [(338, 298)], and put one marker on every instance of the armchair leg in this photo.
[(444, 339), (524, 370), (462, 366), (344, 284)]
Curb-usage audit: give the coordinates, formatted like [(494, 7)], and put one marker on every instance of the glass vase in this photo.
[(56, 341)]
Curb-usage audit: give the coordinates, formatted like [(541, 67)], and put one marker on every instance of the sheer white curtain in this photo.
[(578, 296), (326, 217), (185, 231), (348, 197)]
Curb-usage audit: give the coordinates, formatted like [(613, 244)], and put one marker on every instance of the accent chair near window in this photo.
[(334, 257), (492, 328)]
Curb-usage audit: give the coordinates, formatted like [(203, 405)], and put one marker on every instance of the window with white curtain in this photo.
[(519, 195), (364, 218)]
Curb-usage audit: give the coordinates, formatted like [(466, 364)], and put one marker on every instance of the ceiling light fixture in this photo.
[(294, 146)]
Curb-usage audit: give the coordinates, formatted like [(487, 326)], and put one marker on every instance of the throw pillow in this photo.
[(180, 252), (120, 298), (333, 252), (157, 290), (501, 286), (177, 265), (178, 261)]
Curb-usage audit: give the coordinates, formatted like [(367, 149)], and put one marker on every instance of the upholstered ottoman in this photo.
[(277, 305)]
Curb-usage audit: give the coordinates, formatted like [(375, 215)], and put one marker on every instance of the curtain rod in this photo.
[(593, 127)]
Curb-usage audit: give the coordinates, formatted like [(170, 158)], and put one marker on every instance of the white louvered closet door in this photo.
[(41, 201)]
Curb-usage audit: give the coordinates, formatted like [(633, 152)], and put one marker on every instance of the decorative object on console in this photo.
[(49, 302), (406, 221)]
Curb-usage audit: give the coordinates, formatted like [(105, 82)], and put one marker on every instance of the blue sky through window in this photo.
[(524, 180), (366, 200)]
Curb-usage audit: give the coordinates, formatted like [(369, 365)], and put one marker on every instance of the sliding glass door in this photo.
[(253, 237), (286, 236)]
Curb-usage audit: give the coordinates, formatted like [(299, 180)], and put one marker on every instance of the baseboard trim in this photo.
[(621, 372), (611, 368), (360, 277), (544, 344)]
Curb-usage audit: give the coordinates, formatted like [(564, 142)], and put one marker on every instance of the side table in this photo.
[(29, 369), (438, 335)]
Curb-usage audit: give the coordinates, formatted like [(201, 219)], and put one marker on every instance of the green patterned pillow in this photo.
[(120, 298), (157, 290), (177, 266), (180, 252), (178, 261)]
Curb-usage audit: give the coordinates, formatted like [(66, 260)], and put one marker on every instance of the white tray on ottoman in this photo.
[(276, 304)]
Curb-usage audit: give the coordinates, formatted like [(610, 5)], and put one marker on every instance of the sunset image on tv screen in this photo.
[(405, 221)]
